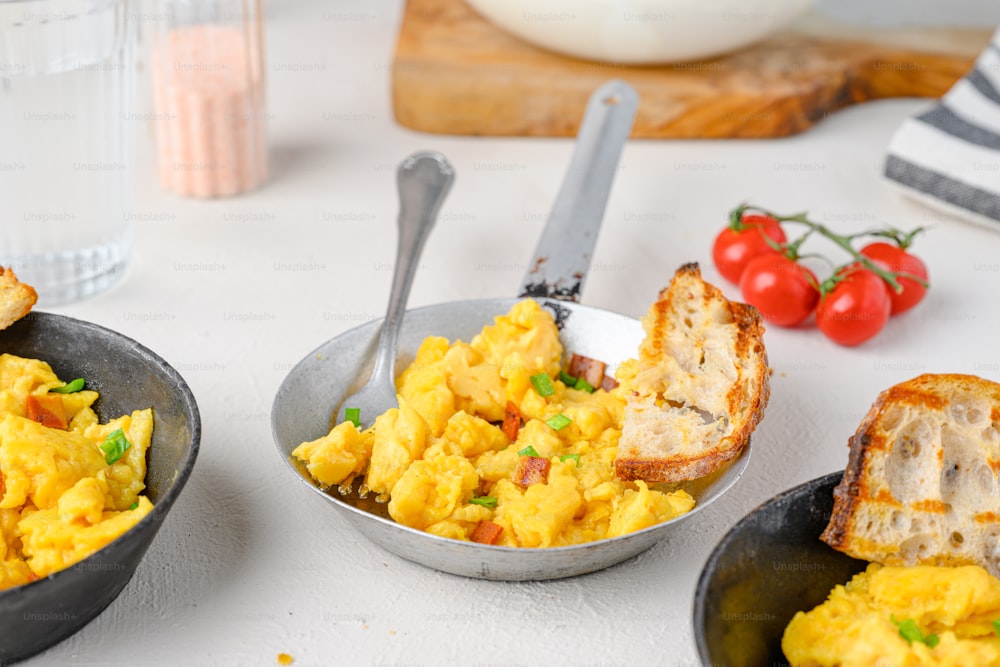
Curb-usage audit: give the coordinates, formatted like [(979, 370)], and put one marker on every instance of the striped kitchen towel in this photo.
[(949, 157)]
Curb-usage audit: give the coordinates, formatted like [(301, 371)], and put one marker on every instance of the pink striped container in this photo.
[(208, 96)]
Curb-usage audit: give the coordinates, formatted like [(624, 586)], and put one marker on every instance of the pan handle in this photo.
[(562, 256)]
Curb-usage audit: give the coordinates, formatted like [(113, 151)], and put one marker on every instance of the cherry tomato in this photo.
[(893, 258), (783, 291), (855, 309), (732, 250)]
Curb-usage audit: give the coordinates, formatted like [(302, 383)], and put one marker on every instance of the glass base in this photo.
[(65, 277)]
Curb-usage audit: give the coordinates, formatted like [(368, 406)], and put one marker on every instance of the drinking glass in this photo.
[(67, 75)]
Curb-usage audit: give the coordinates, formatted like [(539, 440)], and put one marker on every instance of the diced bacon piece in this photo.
[(47, 410), (486, 532), (589, 369), (608, 383), (511, 421), (532, 470)]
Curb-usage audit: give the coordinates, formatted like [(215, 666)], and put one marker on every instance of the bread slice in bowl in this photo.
[(16, 298), (698, 388), (921, 480)]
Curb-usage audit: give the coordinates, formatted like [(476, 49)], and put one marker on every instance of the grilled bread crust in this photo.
[(700, 386), (16, 298), (921, 484)]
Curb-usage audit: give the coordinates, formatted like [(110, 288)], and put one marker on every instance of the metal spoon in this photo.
[(424, 180)]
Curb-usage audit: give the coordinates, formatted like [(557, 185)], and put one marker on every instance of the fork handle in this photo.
[(424, 180)]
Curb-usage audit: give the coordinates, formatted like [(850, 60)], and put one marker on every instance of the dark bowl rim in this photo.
[(162, 507), (711, 563)]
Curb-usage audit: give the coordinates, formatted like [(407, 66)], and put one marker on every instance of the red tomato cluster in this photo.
[(851, 306)]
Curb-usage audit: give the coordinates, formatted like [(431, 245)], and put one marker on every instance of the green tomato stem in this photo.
[(736, 218), (791, 250)]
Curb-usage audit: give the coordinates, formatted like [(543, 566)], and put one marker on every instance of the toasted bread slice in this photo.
[(921, 480), (16, 298), (699, 387)]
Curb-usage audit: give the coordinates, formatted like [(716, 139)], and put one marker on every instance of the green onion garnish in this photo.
[(353, 415), (996, 628), (567, 379), (583, 385), (543, 384), (68, 388), (485, 501), (574, 457), (528, 451), (559, 421), (114, 446), (134, 505), (909, 631)]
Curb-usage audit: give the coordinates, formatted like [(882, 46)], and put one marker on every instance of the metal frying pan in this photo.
[(313, 391)]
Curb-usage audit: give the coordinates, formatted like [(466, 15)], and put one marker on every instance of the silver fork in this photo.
[(424, 180)]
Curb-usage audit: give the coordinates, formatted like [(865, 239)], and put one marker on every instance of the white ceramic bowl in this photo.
[(641, 31)]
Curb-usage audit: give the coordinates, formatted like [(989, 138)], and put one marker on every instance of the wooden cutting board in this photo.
[(455, 73)]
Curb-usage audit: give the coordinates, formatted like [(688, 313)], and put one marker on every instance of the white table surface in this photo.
[(234, 292)]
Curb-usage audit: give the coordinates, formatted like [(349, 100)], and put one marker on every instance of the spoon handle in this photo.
[(424, 180), (562, 256)]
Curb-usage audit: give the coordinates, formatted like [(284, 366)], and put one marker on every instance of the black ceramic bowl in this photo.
[(769, 566), (128, 376)]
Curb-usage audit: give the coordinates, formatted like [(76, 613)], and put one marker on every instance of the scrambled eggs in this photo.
[(446, 466), (68, 484), (903, 617)]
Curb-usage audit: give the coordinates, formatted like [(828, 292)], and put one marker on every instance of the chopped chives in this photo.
[(559, 421), (528, 451), (567, 379), (574, 457), (68, 388), (134, 505), (114, 446), (583, 385), (543, 384), (996, 628), (485, 501), (909, 631), (353, 415)]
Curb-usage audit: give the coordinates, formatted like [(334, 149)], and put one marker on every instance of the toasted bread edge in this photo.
[(749, 342), (853, 489), (16, 298)]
